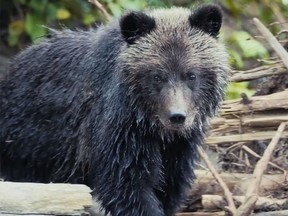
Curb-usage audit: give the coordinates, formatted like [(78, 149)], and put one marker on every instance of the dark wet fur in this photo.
[(69, 115)]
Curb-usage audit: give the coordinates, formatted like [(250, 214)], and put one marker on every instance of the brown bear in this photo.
[(121, 108)]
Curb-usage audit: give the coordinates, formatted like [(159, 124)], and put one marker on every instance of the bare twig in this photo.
[(247, 206), (250, 151), (228, 194), (19, 10), (283, 31), (274, 43), (101, 8), (277, 23)]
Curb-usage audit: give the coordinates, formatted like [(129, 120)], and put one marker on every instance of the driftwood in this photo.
[(258, 103), (241, 122), (257, 135), (276, 213), (216, 203), (44, 199), (70, 199), (257, 120)]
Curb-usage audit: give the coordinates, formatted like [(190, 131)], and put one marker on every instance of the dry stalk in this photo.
[(228, 194), (251, 152), (101, 8)]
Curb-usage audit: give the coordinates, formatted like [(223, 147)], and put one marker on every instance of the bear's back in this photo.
[(45, 98)]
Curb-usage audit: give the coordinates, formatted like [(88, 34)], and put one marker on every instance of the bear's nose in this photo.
[(177, 117)]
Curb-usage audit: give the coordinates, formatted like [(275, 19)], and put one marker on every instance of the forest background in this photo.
[(23, 22)]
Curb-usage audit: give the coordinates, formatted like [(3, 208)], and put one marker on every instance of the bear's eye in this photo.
[(157, 78), (191, 76)]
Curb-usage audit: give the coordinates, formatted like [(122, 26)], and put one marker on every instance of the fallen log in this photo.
[(244, 137), (248, 122), (216, 203), (211, 204), (257, 103), (44, 199), (275, 213)]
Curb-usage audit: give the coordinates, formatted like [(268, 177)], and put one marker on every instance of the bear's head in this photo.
[(174, 65)]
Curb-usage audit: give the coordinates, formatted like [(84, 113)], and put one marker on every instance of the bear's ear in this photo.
[(207, 18), (136, 24)]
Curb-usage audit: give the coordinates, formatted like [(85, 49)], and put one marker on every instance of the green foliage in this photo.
[(156, 3), (15, 29), (234, 90), (32, 16), (26, 21), (244, 47), (116, 7), (249, 47), (33, 26)]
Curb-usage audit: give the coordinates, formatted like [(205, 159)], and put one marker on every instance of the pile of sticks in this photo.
[(242, 123)]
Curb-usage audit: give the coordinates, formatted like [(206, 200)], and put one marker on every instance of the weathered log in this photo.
[(216, 203), (246, 122), (245, 137), (273, 213), (257, 120), (257, 103), (44, 199)]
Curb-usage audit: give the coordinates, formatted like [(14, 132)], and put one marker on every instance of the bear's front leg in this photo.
[(136, 202), (128, 195), (178, 172), (125, 185), (175, 193)]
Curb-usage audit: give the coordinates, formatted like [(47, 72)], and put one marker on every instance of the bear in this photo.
[(121, 108)]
